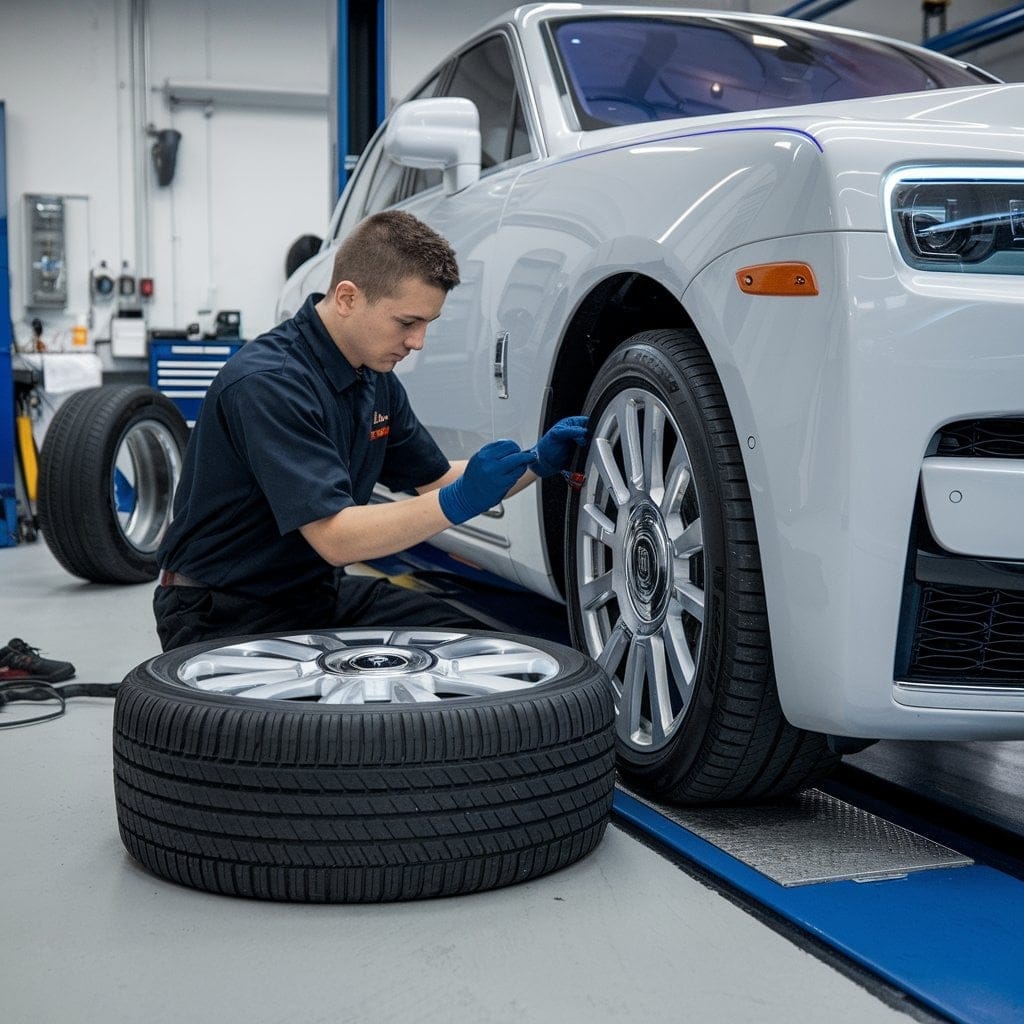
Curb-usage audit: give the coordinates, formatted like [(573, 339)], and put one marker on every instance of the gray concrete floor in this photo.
[(86, 935)]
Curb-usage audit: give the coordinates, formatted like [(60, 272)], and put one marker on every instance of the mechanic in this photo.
[(294, 433)]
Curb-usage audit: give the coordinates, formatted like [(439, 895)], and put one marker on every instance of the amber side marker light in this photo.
[(777, 279)]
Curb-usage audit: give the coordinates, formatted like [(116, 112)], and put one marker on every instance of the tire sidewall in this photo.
[(639, 363)]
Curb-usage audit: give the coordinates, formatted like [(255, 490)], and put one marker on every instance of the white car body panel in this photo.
[(835, 397), (975, 509)]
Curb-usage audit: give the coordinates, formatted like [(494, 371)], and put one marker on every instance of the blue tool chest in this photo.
[(183, 370)]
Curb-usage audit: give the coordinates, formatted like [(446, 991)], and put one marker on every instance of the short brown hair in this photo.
[(385, 249)]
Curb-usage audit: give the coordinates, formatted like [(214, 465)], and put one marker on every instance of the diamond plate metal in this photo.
[(811, 837)]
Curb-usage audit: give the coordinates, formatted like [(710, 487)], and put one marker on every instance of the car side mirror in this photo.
[(437, 134)]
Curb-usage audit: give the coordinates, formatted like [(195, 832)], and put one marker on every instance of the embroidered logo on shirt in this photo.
[(381, 429)]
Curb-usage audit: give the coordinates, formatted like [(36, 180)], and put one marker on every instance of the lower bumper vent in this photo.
[(983, 439), (969, 634)]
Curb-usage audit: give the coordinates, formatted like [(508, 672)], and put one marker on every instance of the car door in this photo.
[(450, 381)]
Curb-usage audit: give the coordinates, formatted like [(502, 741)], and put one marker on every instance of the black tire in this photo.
[(671, 602), (311, 802), (110, 462), (305, 247)]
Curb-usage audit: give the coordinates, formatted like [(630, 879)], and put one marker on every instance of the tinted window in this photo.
[(628, 70), (484, 75)]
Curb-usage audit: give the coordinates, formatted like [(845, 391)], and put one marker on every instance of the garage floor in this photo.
[(87, 935)]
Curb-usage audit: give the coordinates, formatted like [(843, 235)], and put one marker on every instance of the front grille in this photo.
[(968, 634), (983, 439)]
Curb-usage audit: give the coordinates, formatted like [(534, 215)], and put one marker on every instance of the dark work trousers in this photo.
[(186, 615)]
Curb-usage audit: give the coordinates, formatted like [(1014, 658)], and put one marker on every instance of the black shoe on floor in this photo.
[(17, 655)]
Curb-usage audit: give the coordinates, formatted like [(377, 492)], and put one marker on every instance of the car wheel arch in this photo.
[(617, 307)]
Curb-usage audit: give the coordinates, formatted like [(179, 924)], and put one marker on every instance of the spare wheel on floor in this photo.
[(111, 460), (363, 765)]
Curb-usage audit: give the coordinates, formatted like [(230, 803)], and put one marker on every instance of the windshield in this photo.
[(630, 70)]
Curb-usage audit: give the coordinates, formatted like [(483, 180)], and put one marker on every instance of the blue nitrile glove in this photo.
[(554, 451), (487, 478)]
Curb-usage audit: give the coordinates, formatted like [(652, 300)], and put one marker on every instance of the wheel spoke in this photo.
[(611, 654), (292, 648), (682, 669), (656, 671), (690, 598), (507, 663), (679, 476), (424, 638), (480, 685), (604, 462), (628, 722), (596, 593), (597, 525), (290, 689), (239, 681), (215, 664), (654, 471), (688, 541), (632, 451)]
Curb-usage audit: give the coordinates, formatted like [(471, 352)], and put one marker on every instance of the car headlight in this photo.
[(966, 220)]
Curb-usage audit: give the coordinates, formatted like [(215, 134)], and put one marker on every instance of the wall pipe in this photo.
[(978, 33), (820, 8)]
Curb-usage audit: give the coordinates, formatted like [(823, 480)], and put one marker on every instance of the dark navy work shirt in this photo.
[(289, 433)]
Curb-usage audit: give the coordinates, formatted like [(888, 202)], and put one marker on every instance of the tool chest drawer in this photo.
[(183, 370)]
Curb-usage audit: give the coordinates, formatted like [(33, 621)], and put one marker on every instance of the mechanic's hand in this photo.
[(487, 478), (554, 451)]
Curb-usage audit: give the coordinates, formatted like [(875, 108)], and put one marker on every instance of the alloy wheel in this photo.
[(381, 667), (147, 468), (640, 565)]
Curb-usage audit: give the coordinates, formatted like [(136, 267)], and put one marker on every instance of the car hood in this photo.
[(993, 111), (866, 138)]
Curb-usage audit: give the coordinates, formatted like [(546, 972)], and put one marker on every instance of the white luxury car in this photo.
[(779, 265)]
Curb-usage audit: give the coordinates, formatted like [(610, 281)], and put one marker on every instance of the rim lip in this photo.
[(437, 667), (150, 448), (597, 630)]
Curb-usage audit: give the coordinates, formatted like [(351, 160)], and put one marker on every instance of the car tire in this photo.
[(453, 763), (109, 465), (305, 247), (664, 584)]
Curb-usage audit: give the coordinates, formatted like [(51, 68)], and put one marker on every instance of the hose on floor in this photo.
[(34, 689)]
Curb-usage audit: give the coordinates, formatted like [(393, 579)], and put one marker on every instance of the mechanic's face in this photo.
[(380, 334)]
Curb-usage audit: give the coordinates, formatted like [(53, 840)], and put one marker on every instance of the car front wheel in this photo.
[(664, 584)]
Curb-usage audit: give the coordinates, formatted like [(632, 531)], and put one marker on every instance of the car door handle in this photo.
[(501, 364)]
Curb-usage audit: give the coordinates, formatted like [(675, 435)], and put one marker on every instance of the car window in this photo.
[(485, 76), (383, 179), (630, 70)]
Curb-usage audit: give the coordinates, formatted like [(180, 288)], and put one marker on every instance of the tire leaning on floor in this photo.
[(363, 765), (110, 461)]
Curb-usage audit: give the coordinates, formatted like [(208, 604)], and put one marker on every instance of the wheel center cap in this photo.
[(648, 566), (376, 661)]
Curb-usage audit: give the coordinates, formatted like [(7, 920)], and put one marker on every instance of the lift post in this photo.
[(8, 497)]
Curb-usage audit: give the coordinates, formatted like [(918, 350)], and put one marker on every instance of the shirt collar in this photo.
[(340, 372)]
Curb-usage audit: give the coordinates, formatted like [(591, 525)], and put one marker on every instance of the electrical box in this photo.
[(45, 248)]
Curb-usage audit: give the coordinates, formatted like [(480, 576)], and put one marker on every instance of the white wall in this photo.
[(248, 180)]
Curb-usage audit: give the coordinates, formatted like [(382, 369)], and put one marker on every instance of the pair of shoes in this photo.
[(18, 657)]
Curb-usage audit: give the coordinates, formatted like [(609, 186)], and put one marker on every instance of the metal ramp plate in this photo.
[(811, 837)]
